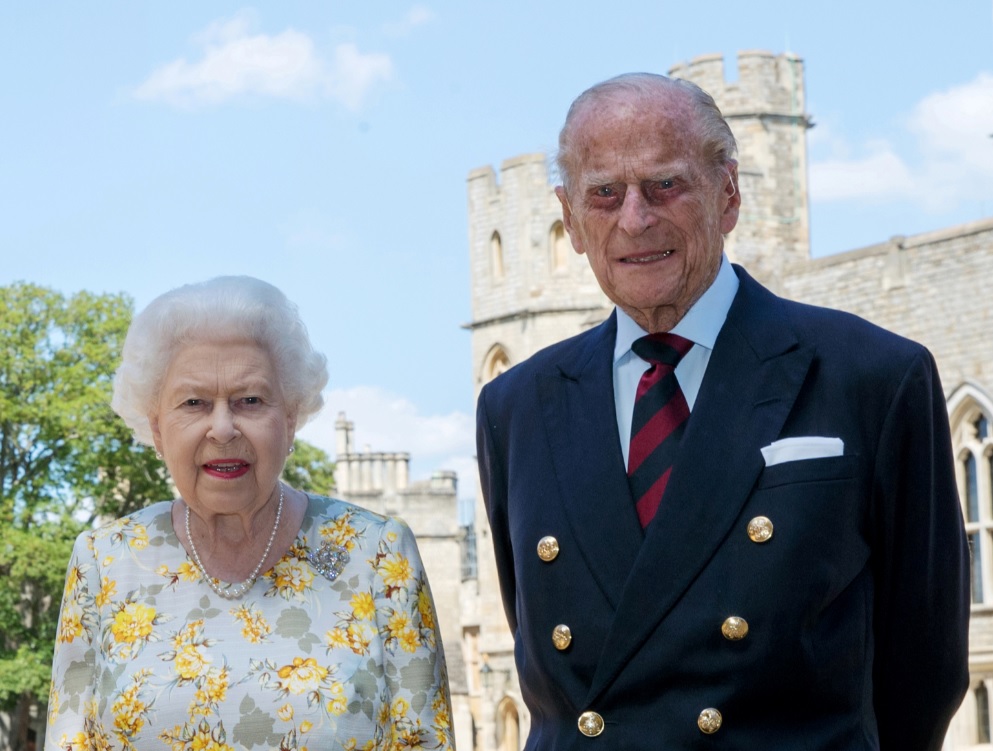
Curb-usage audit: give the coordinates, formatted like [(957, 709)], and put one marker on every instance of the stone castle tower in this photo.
[(529, 290)]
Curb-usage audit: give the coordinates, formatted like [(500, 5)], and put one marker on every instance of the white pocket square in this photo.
[(802, 447)]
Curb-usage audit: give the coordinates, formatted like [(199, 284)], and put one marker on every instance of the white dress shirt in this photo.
[(701, 325)]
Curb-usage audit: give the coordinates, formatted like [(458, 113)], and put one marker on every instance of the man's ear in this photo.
[(730, 191), (577, 244)]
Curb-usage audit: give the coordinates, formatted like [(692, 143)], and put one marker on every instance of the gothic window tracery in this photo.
[(972, 440)]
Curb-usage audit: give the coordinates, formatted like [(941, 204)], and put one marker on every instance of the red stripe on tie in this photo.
[(660, 411), (649, 503)]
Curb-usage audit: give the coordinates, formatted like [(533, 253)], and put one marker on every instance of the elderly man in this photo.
[(721, 519)]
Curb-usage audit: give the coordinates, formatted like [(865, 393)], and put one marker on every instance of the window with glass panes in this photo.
[(974, 455)]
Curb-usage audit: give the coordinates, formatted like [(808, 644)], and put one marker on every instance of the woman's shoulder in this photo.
[(153, 520), (321, 509)]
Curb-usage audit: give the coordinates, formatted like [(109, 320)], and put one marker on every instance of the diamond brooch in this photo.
[(329, 560)]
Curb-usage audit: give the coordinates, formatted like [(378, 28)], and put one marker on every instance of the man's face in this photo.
[(645, 206)]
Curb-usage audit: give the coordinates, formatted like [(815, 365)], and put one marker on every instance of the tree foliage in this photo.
[(65, 460), (309, 469)]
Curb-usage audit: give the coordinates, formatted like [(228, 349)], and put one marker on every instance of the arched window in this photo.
[(982, 714), (559, 247), (509, 729), (495, 362), (496, 256), (973, 444)]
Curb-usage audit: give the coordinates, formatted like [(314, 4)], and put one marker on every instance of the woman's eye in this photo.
[(193, 402)]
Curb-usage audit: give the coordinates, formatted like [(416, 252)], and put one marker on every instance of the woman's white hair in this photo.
[(221, 309)]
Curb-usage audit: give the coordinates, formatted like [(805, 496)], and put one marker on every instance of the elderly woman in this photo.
[(245, 613)]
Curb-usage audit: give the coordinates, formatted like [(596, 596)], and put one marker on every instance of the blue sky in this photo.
[(324, 146)]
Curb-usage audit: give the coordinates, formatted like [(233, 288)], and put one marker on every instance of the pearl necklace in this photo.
[(233, 592)]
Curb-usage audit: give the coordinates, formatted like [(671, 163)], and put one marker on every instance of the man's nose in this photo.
[(637, 214)]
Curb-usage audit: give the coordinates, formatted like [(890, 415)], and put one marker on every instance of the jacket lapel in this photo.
[(578, 409), (754, 375)]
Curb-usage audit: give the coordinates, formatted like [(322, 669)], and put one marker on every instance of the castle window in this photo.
[(495, 362), (982, 714), (973, 444), (496, 256), (558, 243)]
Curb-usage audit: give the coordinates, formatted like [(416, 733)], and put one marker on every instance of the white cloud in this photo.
[(879, 175), (416, 16), (385, 421), (235, 62), (951, 164)]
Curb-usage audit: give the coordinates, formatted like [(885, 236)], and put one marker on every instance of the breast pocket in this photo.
[(809, 470)]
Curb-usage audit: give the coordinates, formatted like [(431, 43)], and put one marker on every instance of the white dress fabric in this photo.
[(149, 657)]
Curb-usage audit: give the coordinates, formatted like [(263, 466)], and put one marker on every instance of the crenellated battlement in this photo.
[(766, 84)]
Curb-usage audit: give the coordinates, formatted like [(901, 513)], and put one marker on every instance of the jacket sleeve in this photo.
[(420, 706), (921, 616), (493, 481), (71, 718)]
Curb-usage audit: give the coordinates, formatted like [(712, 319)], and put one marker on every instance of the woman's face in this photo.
[(223, 426)]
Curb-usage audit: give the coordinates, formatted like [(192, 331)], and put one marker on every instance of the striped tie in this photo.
[(660, 414)]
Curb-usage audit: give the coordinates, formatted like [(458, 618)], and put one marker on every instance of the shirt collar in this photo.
[(702, 322)]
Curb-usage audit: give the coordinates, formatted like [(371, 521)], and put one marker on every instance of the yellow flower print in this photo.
[(73, 577), (130, 711), (338, 702), (291, 577), (71, 623), (363, 606), (391, 536), (302, 676), (425, 608), (190, 662), (359, 638), (400, 708), (217, 685), (306, 726), (340, 532), (255, 628), (107, 561), (133, 623), (188, 572), (285, 713), (187, 634), (139, 539), (108, 588), (398, 623), (337, 637), (409, 640), (396, 570)]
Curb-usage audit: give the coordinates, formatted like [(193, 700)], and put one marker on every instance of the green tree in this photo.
[(309, 469), (66, 460)]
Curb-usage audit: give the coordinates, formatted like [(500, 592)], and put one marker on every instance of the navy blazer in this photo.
[(857, 607)]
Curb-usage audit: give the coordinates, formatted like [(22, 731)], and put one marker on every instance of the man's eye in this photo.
[(251, 401), (658, 190), (604, 191), (193, 402)]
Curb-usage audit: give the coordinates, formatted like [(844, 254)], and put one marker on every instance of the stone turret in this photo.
[(765, 109)]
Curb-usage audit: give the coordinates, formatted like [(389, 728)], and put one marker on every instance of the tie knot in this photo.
[(667, 349)]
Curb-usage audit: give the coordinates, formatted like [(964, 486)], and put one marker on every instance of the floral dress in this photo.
[(148, 657)]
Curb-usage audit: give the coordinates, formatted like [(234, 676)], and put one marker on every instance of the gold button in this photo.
[(561, 636), (709, 721), (548, 548), (734, 628), (590, 724), (760, 529)]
